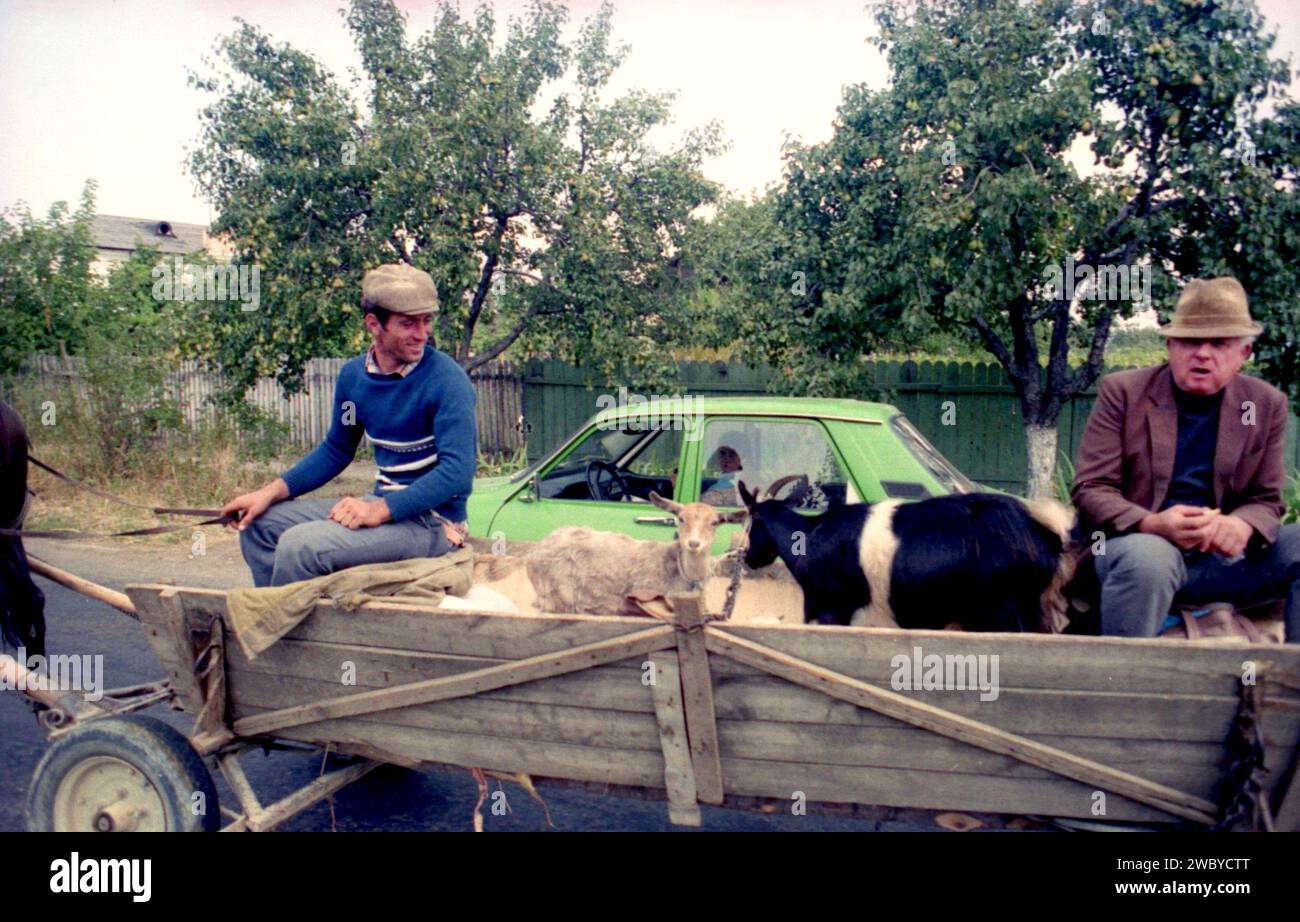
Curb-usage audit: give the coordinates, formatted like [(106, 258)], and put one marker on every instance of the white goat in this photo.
[(578, 569)]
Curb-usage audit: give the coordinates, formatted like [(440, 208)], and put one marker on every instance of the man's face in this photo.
[(403, 337), (728, 459), (1205, 366)]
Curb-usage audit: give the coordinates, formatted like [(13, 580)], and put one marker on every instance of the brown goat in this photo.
[(578, 569)]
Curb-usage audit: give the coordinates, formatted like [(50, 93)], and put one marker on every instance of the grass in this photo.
[(202, 476)]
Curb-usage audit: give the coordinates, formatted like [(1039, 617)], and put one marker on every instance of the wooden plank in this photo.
[(1175, 802), (644, 768), (525, 670), (162, 616), (878, 671), (238, 781), (286, 809), (616, 686), (481, 715), (926, 790), (1196, 768), (1110, 664), (408, 626), (697, 697), (1031, 712), (670, 716)]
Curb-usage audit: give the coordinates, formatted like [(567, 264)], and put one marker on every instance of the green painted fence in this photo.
[(969, 411)]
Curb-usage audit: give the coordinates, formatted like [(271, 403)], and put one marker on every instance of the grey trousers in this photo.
[(1143, 575), (295, 540)]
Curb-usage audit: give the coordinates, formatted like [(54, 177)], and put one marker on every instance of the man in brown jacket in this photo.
[(1181, 466)]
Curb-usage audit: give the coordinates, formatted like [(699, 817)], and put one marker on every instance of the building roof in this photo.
[(115, 232)]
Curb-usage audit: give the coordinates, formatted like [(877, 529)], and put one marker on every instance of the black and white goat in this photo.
[(982, 561)]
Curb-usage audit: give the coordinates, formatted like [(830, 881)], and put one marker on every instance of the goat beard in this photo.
[(694, 567)]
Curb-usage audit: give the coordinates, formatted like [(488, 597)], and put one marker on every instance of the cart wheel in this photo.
[(122, 774)]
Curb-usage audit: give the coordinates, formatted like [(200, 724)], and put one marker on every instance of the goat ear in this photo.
[(745, 495), (735, 515), (666, 504)]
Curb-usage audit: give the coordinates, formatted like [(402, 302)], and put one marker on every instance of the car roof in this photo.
[(759, 404)]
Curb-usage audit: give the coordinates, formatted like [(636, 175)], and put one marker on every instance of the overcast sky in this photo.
[(96, 89)]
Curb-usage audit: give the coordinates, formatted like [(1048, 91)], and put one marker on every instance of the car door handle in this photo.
[(652, 520)]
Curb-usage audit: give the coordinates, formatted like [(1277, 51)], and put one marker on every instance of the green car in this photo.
[(696, 449)]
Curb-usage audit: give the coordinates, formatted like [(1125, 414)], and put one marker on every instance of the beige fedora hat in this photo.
[(1212, 309)]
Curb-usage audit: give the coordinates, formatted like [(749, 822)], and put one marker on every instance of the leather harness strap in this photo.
[(210, 516)]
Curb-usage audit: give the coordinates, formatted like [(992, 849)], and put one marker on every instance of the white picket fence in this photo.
[(499, 389)]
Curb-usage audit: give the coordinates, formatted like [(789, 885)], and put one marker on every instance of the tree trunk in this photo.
[(1040, 441)]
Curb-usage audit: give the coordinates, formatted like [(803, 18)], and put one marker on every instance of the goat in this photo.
[(986, 561), (579, 569)]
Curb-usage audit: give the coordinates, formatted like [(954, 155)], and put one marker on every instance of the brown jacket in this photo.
[(1126, 456)]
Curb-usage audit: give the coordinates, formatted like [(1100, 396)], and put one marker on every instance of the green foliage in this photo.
[(260, 435), (45, 280), (1064, 478), (119, 407), (559, 225), (941, 203), (1291, 497), (501, 463)]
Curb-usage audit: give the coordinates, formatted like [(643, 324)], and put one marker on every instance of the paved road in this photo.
[(387, 799)]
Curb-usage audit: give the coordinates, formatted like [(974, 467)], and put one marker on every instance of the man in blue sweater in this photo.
[(416, 407)]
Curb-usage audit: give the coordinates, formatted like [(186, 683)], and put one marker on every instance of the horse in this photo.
[(22, 604)]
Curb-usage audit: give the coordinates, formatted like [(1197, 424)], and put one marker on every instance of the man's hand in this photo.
[(359, 513), (1186, 526), (251, 505), (1228, 535)]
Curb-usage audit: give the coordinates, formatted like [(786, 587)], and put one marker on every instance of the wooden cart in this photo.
[(1145, 731)]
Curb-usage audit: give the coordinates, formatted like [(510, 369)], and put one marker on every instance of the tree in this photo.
[(560, 225), (45, 280), (948, 201)]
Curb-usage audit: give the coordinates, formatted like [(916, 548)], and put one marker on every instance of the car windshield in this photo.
[(609, 445), (939, 466)]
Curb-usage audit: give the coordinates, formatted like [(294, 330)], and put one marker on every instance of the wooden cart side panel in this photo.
[(857, 737), (1135, 705), (1037, 661)]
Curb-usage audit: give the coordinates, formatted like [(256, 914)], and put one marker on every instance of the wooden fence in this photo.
[(306, 414), (969, 411)]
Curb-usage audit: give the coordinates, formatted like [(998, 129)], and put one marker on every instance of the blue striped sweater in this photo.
[(421, 427)]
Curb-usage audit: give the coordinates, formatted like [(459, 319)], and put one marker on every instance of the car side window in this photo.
[(634, 457), (761, 452)]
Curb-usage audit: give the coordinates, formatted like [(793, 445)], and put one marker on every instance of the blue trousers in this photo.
[(295, 540), (1142, 576)]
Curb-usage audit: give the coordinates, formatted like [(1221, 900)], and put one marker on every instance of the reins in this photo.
[(210, 516)]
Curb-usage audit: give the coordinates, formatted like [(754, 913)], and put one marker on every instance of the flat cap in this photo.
[(401, 289)]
